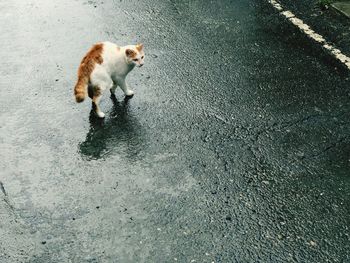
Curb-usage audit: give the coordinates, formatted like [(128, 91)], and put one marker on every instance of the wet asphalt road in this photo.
[(235, 147)]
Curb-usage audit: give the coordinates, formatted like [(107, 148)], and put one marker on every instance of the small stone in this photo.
[(312, 243), (300, 154)]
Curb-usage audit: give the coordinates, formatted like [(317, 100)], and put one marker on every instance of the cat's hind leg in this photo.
[(101, 81), (96, 101)]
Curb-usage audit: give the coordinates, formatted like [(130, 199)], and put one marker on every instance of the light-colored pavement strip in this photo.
[(334, 51)]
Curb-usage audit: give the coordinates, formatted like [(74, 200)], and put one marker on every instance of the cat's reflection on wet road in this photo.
[(119, 133)]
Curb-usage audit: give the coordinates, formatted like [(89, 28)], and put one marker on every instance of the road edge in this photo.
[(329, 48)]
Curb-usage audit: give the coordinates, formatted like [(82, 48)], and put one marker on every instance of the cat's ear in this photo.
[(139, 47), (130, 53)]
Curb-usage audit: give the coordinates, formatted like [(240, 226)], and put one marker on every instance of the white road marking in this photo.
[(311, 34)]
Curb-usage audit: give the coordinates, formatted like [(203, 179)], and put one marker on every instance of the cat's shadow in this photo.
[(119, 133)]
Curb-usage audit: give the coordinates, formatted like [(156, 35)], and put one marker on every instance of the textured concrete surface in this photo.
[(235, 147)]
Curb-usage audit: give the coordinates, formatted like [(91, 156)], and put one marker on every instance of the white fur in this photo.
[(113, 71)]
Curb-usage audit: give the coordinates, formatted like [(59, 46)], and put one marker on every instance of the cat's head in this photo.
[(135, 55)]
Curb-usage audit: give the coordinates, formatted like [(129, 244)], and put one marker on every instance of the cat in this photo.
[(105, 66)]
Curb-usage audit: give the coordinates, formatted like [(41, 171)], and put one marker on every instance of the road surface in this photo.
[(235, 147)]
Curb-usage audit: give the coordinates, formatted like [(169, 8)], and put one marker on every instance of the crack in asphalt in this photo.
[(2, 188), (252, 138), (288, 124), (6, 198), (326, 149)]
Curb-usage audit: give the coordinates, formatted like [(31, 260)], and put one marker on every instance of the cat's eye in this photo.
[(142, 57), (135, 59)]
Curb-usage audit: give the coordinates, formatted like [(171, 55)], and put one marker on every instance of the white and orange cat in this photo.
[(104, 67)]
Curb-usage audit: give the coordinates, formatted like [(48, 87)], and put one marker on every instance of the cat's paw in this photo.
[(100, 114), (129, 93)]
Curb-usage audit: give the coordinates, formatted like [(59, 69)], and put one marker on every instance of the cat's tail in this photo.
[(80, 89)]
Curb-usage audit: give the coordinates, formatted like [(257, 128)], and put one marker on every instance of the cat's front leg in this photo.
[(112, 90), (128, 92)]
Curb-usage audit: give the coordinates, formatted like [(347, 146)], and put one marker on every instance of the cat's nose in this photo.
[(141, 65)]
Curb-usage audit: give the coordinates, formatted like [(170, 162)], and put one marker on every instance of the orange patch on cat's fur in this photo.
[(130, 53), (139, 47), (86, 67)]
